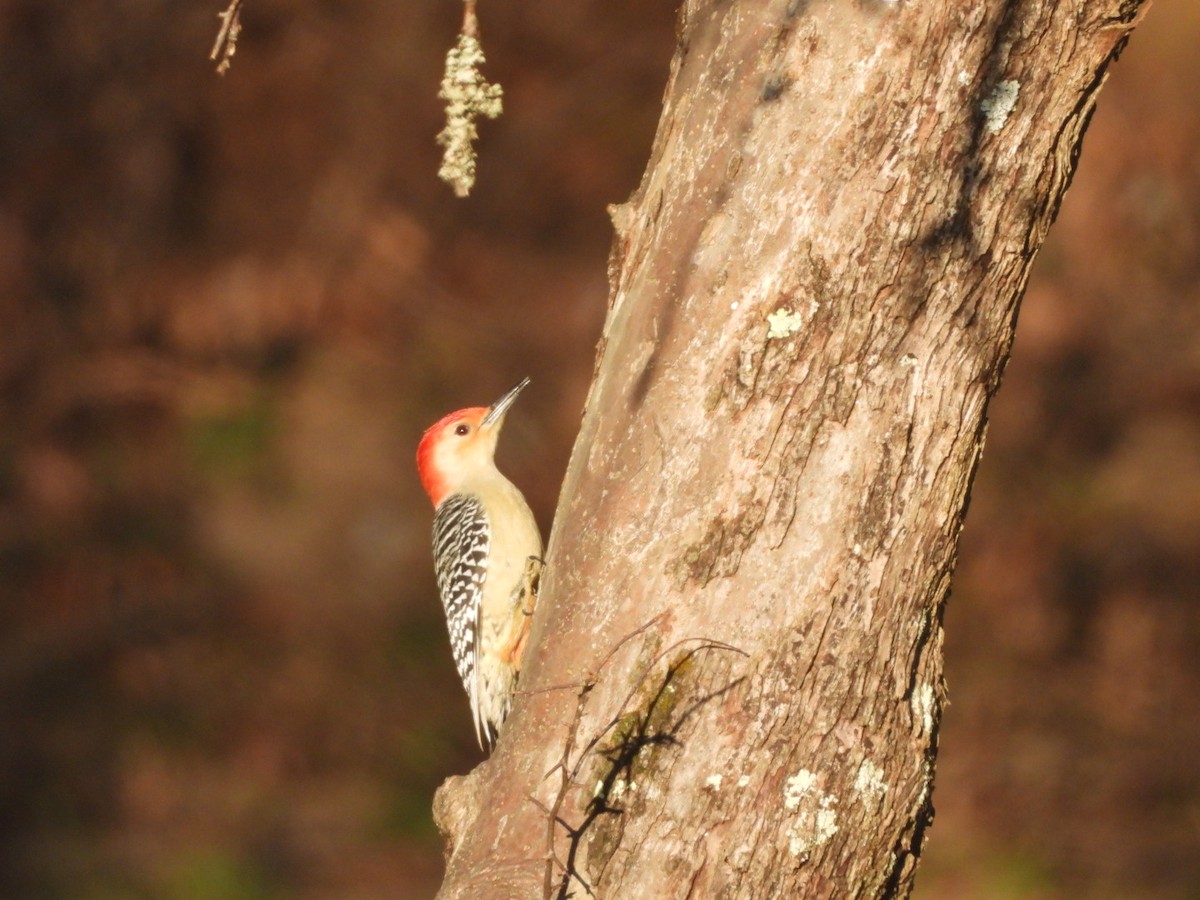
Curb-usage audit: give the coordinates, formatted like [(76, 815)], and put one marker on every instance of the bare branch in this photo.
[(225, 45)]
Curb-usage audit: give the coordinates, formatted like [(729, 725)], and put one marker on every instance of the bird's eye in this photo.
[(463, 429)]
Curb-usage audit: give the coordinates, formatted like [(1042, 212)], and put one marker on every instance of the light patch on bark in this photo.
[(783, 323), (816, 819), (926, 783), (618, 790), (713, 782), (922, 706), (796, 788), (869, 783), (999, 104)]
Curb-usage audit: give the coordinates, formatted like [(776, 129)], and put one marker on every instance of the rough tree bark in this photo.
[(736, 676)]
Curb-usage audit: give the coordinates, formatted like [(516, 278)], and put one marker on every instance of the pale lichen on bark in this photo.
[(815, 814), (998, 105), (783, 323)]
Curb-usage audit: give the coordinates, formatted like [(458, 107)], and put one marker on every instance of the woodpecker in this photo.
[(486, 552)]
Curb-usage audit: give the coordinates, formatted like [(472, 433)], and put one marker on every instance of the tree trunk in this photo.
[(735, 680)]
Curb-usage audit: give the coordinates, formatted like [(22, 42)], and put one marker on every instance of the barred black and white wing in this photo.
[(461, 538)]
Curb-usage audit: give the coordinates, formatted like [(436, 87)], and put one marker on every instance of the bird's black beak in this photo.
[(497, 410)]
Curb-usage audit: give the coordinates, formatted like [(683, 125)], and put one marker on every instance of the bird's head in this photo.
[(461, 446)]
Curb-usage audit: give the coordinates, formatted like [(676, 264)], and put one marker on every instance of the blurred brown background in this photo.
[(228, 308)]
